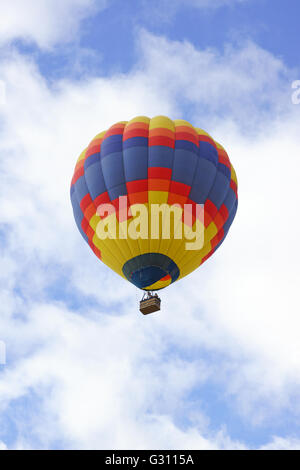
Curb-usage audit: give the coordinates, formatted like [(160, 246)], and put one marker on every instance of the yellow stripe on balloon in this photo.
[(161, 121)]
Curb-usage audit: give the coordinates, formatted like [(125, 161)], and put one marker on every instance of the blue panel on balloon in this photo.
[(146, 276), (230, 199), (225, 170), (95, 157), (111, 144), (135, 142), (161, 156), (95, 180), (229, 221), (208, 152), (113, 171), (186, 145), (135, 163), (117, 191), (204, 178), (81, 188), (146, 269), (219, 190), (184, 166), (78, 214)]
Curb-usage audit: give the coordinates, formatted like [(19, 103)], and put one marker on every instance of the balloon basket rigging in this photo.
[(150, 303)]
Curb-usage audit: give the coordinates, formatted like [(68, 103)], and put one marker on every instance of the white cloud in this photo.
[(49, 22), (2, 446), (103, 375), (249, 302), (101, 379), (244, 83), (45, 22), (282, 444)]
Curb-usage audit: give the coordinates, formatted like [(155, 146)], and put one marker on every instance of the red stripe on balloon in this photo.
[(180, 188), (161, 140), (118, 129), (136, 186), (77, 175), (137, 132), (159, 172), (206, 138)]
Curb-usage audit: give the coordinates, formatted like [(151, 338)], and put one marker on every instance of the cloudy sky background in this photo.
[(219, 367)]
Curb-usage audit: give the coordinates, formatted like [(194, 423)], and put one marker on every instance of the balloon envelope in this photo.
[(135, 177)]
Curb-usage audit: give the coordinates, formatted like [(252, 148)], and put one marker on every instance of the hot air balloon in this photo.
[(147, 169)]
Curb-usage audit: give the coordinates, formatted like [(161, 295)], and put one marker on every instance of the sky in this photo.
[(80, 367)]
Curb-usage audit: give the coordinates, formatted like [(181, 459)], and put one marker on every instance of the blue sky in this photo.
[(84, 369), (111, 33)]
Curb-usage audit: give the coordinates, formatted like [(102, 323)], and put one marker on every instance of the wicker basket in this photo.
[(150, 305)]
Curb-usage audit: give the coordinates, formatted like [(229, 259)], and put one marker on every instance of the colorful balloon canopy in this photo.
[(149, 162)]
